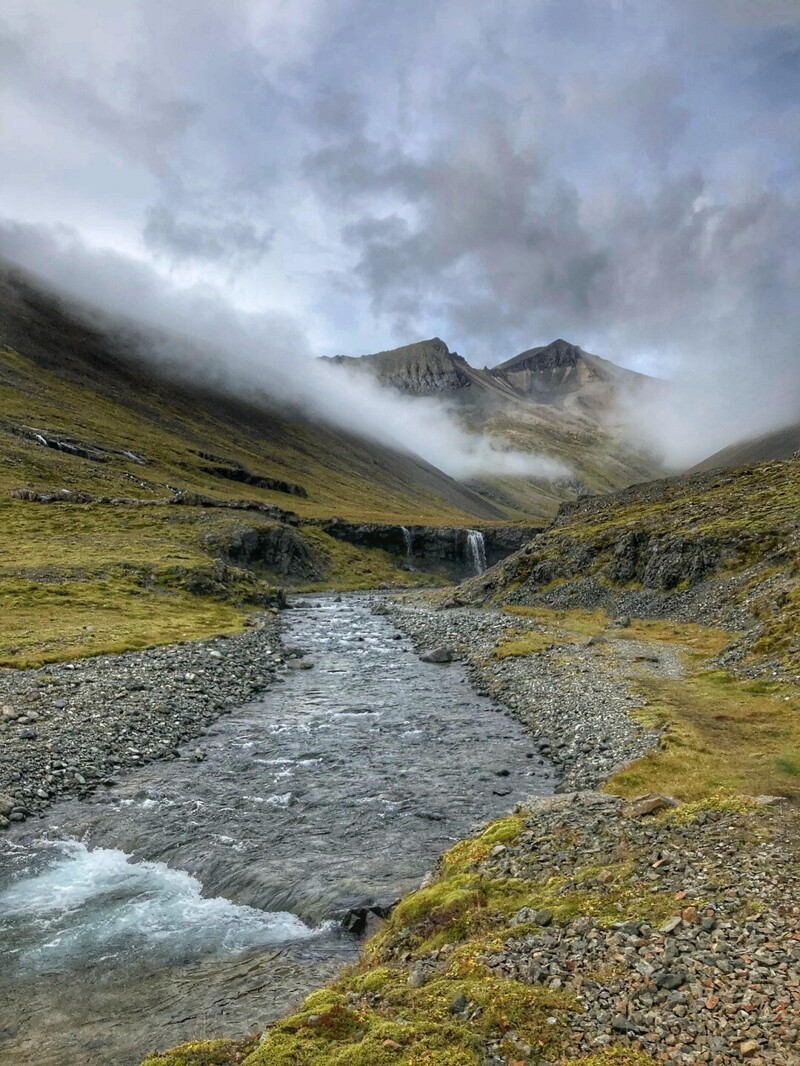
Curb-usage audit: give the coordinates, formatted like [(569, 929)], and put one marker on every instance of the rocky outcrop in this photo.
[(278, 549), (422, 369), (442, 546), (235, 472), (177, 499)]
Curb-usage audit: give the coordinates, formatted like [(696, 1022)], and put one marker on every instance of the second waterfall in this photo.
[(476, 550)]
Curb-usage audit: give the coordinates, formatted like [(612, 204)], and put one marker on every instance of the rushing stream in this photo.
[(195, 897)]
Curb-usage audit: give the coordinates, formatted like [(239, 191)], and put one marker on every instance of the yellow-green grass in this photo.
[(82, 579), (518, 642), (757, 501), (205, 1053), (102, 579), (70, 619), (721, 736), (341, 475), (572, 626)]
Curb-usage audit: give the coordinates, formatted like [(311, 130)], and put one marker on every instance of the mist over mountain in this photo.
[(247, 354), (556, 401), (351, 177)]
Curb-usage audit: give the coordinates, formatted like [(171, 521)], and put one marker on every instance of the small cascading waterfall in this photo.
[(476, 549), (409, 542)]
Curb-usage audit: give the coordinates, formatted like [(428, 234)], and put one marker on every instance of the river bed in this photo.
[(196, 897)]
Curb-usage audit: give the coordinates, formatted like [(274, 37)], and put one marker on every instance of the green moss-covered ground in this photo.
[(740, 528), (98, 577)]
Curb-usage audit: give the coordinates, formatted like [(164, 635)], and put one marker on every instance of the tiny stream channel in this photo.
[(196, 898)]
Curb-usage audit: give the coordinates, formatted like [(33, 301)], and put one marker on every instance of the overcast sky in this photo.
[(623, 173)]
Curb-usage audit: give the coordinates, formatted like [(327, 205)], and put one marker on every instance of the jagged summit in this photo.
[(554, 356), (560, 374), (421, 368)]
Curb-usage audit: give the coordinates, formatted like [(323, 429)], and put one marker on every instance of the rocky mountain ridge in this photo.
[(557, 374), (556, 401)]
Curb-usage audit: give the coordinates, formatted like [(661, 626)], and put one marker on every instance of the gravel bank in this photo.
[(703, 965), (67, 729), (575, 700), (718, 981)]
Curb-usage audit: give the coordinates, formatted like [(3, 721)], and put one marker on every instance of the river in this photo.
[(196, 898)]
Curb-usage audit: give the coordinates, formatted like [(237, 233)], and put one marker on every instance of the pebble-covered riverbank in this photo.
[(703, 965), (68, 728), (717, 980), (576, 703)]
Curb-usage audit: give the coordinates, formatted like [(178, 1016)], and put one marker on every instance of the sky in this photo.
[(356, 175)]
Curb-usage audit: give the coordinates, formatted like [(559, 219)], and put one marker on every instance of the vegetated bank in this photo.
[(139, 506), (654, 921)]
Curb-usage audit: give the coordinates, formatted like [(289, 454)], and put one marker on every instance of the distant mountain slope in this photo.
[(66, 373), (561, 374), (556, 400), (780, 444)]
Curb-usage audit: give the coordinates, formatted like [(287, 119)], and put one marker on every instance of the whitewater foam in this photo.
[(100, 902)]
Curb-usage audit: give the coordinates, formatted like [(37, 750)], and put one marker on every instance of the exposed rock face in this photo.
[(276, 548), (423, 369), (551, 374), (432, 544), (235, 472)]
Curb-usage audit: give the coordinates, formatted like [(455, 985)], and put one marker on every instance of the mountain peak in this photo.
[(420, 368), (554, 356)]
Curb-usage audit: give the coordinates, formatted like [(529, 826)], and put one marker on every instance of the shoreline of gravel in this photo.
[(67, 729), (577, 705)]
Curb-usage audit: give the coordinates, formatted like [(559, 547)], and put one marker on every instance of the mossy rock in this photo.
[(205, 1053)]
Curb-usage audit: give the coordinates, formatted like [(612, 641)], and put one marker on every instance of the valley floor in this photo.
[(654, 921)]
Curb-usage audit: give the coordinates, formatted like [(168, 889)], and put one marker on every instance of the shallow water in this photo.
[(196, 898)]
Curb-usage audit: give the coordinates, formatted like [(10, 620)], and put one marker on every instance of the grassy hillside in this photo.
[(175, 510), (598, 460), (721, 547)]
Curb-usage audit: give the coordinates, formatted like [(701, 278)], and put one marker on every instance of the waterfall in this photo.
[(476, 550), (408, 540)]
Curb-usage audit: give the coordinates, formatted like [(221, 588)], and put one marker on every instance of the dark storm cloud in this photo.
[(619, 172), (235, 243)]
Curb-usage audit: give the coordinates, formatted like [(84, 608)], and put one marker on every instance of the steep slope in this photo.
[(557, 401), (719, 548), (780, 444), (124, 494)]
